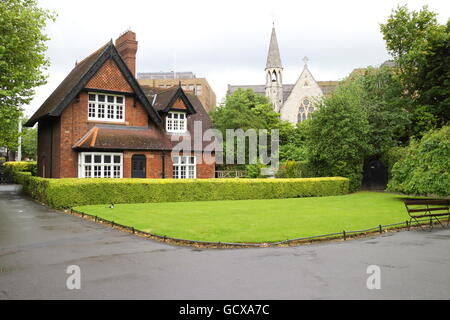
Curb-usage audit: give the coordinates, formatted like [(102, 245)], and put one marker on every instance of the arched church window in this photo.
[(305, 110)]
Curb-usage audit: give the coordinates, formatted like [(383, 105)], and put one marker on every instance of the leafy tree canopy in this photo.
[(420, 47), (337, 135), (22, 50)]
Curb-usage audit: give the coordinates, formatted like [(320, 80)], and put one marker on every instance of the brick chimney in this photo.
[(126, 44)]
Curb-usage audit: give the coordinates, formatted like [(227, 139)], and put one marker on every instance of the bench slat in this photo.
[(428, 209), (427, 202), (430, 215)]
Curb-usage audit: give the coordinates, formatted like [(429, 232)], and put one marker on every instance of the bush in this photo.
[(13, 167), (425, 169), (66, 193), (392, 156), (289, 169)]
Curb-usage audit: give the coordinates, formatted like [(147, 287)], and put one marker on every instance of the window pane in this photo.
[(87, 171), (92, 97), (107, 159), (176, 160), (87, 158), (91, 110), (97, 158), (183, 160), (116, 171), (116, 159), (97, 171), (107, 171), (119, 99), (111, 99), (192, 160), (101, 98), (101, 110), (119, 112)]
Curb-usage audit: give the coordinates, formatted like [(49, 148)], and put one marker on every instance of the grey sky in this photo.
[(225, 41)]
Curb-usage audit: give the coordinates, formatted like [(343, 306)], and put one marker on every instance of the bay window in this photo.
[(100, 165)]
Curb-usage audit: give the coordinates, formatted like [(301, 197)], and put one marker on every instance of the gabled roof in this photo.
[(273, 56), (75, 81), (163, 100)]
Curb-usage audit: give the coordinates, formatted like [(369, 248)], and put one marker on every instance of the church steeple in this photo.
[(273, 56), (274, 70)]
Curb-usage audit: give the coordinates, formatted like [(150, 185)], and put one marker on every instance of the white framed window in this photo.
[(176, 122), (184, 167), (100, 165), (106, 107)]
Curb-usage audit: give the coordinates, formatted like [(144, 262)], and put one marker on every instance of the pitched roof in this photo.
[(163, 99), (80, 75), (117, 137), (273, 56)]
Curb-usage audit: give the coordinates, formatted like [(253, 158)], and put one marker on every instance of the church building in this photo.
[(294, 102)]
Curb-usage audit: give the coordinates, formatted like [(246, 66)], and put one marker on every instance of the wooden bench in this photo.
[(428, 208)]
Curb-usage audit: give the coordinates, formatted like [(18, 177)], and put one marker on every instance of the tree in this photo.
[(337, 135), (22, 61), (387, 108), (29, 143), (245, 110), (425, 169), (420, 47)]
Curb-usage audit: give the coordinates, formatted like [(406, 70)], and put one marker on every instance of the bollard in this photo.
[(345, 237), (381, 229)]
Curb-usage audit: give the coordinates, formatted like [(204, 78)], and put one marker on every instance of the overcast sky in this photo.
[(225, 41)]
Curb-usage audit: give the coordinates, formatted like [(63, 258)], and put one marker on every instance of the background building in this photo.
[(294, 102), (191, 84)]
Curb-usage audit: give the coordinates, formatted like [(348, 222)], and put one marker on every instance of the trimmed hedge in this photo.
[(67, 193), (13, 167)]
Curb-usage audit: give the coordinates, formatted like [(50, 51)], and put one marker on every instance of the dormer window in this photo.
[(106, 107), (176, 122)]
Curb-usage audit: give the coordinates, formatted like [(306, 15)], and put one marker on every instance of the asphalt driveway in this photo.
[(38, 244)]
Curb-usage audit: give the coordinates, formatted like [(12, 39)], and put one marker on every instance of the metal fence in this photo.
[(345, 234)]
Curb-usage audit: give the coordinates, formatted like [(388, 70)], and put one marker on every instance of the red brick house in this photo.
[(100, 123)]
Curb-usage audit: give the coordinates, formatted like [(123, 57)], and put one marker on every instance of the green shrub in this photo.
[(392, 156), (425, 169), (65, 193), (13, 167), (254, 170), (289, 169)]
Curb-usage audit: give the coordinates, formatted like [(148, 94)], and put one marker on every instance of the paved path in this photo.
[(38, 244)]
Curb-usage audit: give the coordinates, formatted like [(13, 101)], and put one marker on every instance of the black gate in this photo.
[(375, 175), (138, 166)]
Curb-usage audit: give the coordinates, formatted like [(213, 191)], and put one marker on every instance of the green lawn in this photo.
[(257, 220)]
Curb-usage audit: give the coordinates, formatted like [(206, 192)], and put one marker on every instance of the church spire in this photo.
[(273, 57), (274, 74)]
